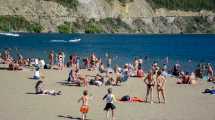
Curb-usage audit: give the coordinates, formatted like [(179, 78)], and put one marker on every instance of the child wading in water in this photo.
[(85, 106), (160, 86), (110, 99)]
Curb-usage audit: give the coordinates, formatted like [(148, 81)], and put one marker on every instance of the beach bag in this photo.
[(46, 66), (125, 98), (92, 82)]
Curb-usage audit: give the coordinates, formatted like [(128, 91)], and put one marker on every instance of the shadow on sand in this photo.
[(31, 93), (69, 84), (71, 117), (4, 68)]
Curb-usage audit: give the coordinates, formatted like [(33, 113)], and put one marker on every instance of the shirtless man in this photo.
[(160, 86)]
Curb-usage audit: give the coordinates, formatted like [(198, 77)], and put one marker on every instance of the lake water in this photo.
[(188, 50)]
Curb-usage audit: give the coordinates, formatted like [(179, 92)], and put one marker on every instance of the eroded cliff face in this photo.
[(138, 14)]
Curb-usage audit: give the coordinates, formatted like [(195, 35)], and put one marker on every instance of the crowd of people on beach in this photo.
[(106, 74)]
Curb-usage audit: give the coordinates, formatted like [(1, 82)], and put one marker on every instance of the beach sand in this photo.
[(17, 101)]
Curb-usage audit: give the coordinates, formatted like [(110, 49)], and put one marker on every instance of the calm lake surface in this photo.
[(188, 50)]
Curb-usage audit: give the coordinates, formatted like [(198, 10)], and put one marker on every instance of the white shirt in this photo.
[(37, 73), (36, 62), (42, 63), (110, 98)]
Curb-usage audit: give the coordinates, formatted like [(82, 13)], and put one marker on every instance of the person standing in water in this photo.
[(63, 57), (161, 86), (51, 58), (110, 99), (85, 106), (60, 61)]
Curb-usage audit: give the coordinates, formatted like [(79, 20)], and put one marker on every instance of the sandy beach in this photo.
[(184, 102)]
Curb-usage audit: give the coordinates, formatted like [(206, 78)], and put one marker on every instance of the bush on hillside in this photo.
[(18, 23)]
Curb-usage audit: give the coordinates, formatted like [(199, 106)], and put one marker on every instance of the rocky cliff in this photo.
[(138, 15)]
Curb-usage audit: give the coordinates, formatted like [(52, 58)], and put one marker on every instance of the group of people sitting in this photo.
[(203, 71), (76, 78), (105, 74), (13, 64), (186, 78)]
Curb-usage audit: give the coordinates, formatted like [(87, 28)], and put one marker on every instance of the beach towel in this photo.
[(210, 91), (136, 99)]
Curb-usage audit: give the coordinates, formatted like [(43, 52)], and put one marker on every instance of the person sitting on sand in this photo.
[(39, 89), (101, 68), (176, 70), (14, 66), (76, 78), (184, 78), (150, 83), (121, 76), (83, 80), (36, 73), (84, 109), (110, 80), (73, 76), (42, 63), (98, 81), (110, 99), (20, 59), (161, 86), (164, 73), (140, 72)]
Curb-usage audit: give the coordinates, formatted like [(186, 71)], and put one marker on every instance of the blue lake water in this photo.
[(179, 48)]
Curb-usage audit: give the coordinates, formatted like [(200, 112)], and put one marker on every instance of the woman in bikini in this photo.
[(60, 61), (150, 83)]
